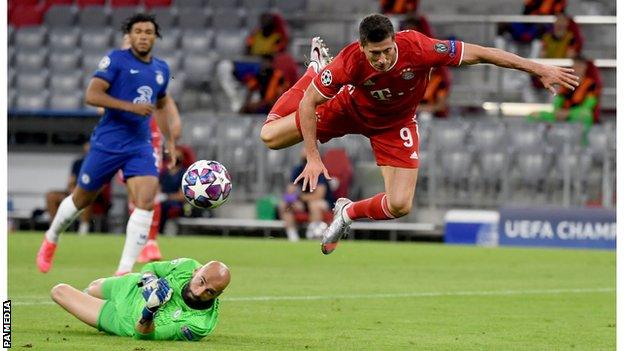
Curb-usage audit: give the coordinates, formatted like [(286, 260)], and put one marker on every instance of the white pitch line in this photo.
[(389, 295)]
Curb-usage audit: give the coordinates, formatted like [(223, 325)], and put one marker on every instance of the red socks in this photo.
[(303, 82), (375, 207)]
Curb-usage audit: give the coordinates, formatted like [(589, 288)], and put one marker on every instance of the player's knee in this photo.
[(399, 208), (58, 292), (94, 287), (269, 137)]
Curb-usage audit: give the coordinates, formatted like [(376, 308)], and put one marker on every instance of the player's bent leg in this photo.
[(95, 288), (144, 189), (400, 185), (83, 306), (281, 133)]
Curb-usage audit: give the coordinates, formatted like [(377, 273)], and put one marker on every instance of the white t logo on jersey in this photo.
[(382, 94), (145, 95)]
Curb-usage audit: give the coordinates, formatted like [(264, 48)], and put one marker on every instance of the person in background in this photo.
[(55, 197), (397, 7), (580, 105), (264, 88), (315, 203), (270, 38), (563, 40), (435, 101), (171, 197)]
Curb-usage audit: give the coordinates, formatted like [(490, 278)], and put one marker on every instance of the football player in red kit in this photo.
[(372, 88)]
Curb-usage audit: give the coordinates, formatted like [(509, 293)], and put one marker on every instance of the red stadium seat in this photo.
[(49, 3), (84, 3), (124, 3), (23, 2), (156, 3), (26, 15)]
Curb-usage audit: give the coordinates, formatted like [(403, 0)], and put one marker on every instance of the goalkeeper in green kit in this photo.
[(170, 300)]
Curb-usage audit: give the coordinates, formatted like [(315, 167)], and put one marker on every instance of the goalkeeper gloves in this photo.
[(156, 293)]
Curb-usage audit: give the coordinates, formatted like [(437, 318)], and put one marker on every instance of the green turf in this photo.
[(496, 299)]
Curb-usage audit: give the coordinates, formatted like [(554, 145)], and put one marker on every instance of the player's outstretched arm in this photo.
[(307, 115), (549, 75), (97, 96)]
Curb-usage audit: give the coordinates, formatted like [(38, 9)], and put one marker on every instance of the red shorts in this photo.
[(395, 146)]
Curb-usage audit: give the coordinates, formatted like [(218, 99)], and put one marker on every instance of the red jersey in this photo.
[(383, 99)]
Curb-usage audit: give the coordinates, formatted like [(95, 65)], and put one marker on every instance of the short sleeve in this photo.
[(435, 52), (329, 81), (108, 67)]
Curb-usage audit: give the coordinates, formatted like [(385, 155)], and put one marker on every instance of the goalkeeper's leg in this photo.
[(83, 306)]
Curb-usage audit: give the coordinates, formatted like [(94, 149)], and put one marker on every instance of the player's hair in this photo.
[(375, 28), (126, 27)]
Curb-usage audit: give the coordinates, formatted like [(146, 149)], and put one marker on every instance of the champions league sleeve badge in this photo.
[(326, 77), (440, 48)]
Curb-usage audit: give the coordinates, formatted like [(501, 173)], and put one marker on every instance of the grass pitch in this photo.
[(364, 296)]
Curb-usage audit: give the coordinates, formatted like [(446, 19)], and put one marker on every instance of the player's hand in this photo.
[(156, 295), (313, 169), (143, 109), (552, 75), (147, 280)]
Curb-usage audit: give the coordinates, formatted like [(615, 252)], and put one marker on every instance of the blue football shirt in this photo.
[(132, 80)]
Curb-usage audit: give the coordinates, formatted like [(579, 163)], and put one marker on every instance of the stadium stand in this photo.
[(473, 159)]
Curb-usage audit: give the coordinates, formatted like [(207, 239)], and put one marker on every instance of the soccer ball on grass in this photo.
[(206, 184)]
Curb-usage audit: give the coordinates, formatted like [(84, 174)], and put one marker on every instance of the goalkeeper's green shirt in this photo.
[(173, 321)]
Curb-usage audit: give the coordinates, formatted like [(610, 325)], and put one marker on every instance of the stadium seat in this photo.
[(199, 67), (63, 39), (533, 164), (561, 134), (367, 180), (94, 17), (332, 32), (448, 134), (64, 61), (33, 100), (257, 5), (493, 163), (52, 3), (66, 101), (96, 40), (31, 82), (30, 60), (488, 135), (290, 6), (276, 170), (190, 3), (124, 3), (65, 82), (523, 135), (223, 4), (176, 84), (230, 43), (30, 37), (597, 138), (167, 18), (193, 18), (86, 3), (120, 14), (227, 19), (24, 15), (456, 164), (197, 41), (60, 16), (90, 62), (153, 4)]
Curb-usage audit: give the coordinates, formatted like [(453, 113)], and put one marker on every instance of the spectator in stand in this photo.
[(171, 197), (250, 84), (101, 204), (435, 101), (580, 105), (563, 40), (418, 23), (265, 88), (396, 7), (315, 203), (270, 38)]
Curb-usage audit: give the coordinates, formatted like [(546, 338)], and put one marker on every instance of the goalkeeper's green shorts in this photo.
[(123, 305)]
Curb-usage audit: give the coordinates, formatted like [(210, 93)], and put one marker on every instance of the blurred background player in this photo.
[(314, 204), (120, 306), (100, 206), (130, 84), (373, 88)]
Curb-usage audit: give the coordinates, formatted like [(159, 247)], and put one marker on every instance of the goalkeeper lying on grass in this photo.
[(171, 300)]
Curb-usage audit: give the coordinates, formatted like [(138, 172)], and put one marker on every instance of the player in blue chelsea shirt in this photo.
[(130, 85)]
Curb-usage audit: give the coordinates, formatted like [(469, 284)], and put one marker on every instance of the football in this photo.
[(206, 184)]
